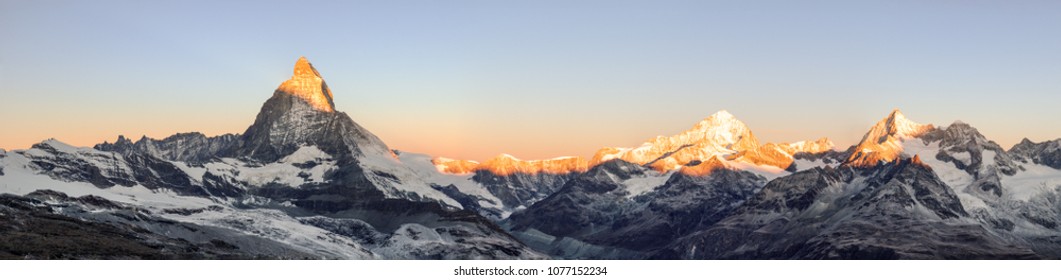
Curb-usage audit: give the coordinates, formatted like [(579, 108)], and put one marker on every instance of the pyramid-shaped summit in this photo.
[(301, 113), (883, 142), (307, 84)]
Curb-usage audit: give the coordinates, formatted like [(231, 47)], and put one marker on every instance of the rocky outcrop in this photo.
[(892, 210), (191, 147), (1046, 153), (299, 158), (596, 209)]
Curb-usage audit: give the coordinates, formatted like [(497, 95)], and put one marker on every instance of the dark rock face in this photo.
[(521, 189), (594, 208), (468, 202), (585, 203), (154, 174), (284, 124), (893, 211), (106, 170), (356, 229), (828, 157), (192, 147), (287, 122), (961, 138), (681, 206), (1046, 153), (33, 229)]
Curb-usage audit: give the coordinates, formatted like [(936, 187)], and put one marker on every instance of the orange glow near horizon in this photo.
[(447, 85), (507, 165)]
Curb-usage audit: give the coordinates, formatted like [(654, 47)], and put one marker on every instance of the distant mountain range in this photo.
[(305, 181)]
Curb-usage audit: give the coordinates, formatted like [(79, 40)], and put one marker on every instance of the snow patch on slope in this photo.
[(954, 177), (420, 164), (957, 179), (196, 173), (767, 171), (306, 153), (284, 173), (20, 179), (1033, 180), (401, 178), (641, 185)]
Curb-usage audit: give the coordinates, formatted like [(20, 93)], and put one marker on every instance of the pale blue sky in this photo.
[(470, 79)]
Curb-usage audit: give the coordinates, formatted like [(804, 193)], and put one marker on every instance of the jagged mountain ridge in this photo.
[(191, 147), (897, 209), (719, 140), (882, 142), (303, 175), (719, 134), (315, 184), (1046, 153), (965, 186)]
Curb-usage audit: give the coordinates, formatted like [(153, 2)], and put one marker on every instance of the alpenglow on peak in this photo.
[(307, 84)]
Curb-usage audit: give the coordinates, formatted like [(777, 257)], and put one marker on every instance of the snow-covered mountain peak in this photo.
[(896, 124), (719, 126), (718, 134), (504, 156), (301, 113), (57, 145), (722, 116), (961, 133), (883, 142), (307, 84)]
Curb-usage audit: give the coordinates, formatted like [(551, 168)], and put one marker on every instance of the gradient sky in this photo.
[(536, 79)]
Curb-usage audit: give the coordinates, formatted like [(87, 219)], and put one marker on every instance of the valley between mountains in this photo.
[(305, 181)]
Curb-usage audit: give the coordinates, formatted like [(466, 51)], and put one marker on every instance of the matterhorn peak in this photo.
[(307, 84)]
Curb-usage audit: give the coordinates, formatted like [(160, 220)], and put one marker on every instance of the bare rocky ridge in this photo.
[(1046, 153), (192, 147), (298, 177), (896, 210)]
